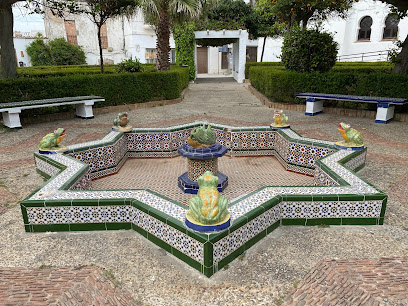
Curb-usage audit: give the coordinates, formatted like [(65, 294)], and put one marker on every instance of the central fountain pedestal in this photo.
[(201, 160)]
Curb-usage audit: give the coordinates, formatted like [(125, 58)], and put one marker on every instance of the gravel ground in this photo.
[(265, 273)]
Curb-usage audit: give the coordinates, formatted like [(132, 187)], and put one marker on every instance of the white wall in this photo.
[(20, 45)]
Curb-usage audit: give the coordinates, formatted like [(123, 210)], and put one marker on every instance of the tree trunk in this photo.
[(7, 52), (263, 48), (100, 46), (304, 22), (163, 41), (402, 65)]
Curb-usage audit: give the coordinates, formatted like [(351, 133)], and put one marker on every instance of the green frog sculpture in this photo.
[(208, 210), (352, 138), (121, 123), (280, 120), (50, 142), (202, 137)]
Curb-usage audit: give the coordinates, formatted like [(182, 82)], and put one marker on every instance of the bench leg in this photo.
[(313, 107), (85, 110), (385, 113), (11, 119)]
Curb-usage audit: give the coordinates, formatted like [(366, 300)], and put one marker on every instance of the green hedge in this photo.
[(117, 89), (48, 71), (363, 67), (248, 65), (282, 86)]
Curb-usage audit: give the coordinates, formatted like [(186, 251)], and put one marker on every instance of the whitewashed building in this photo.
[(366, 35), (121, 38)]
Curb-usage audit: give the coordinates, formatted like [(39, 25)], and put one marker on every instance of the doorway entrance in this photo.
[(202, 60)]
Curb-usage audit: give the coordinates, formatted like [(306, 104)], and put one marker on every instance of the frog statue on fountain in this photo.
[(208, 210), (280, 121), (49, 144), (352, 138), (121, 123)]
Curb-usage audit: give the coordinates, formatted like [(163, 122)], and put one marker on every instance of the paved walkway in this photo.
[(266, 273)]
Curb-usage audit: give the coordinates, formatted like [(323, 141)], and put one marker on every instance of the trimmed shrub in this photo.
[(39, 53), (56, 52), (63, 53), (309, 50), (360, 67), (117, 89), (248, 65), (283, 85), (48, 71), (130, 65)]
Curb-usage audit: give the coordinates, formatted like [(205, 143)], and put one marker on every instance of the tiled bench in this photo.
[(385, 106), (11, 111)]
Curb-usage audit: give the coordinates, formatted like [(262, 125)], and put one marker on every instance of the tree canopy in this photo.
[(294, 12), (161, 14)]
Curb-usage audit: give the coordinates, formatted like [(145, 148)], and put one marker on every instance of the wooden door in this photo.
[(251, 54), (224, 60), (202, 60)]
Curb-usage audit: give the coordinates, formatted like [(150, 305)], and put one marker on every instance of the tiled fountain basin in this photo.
[(246, 174), (339, 196)]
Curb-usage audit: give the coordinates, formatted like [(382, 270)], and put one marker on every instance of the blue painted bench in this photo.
[(11, 111), (385, 106)]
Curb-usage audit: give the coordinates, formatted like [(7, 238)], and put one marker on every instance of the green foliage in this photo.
[(117, 89), (47, 71), (395, 51), (282, 85), (164, 13), (248, 65), (295, 13), (309, 50), (39, 53), (63, 53), (130, 65), (56, 52), (230, 15), (184, 39), (352, 67)]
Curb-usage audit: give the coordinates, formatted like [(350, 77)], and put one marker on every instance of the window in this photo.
[(151, 56), (104, 37), (172, 55), (391, 27), (365, 28), (71, 32)]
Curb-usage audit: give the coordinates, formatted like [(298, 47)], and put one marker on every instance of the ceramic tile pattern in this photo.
[(197, 167), (338, 193)]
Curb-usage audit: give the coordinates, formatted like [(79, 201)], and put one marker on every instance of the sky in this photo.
[(25, 22)]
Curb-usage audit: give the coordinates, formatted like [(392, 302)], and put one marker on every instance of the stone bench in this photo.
[(11, 111), (385, 106)]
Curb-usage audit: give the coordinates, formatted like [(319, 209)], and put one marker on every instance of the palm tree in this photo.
[(161, 14)]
